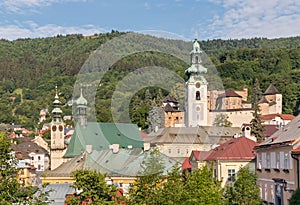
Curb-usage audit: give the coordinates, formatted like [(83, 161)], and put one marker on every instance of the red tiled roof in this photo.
[(235, 149), (282, 116), (143, 134), (296, 151), (186, 164), (200, 155), (270, 129)]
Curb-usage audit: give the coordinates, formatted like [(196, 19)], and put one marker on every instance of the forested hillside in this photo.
[(31, 68)]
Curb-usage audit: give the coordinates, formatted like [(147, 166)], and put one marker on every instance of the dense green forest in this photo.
[(31, 68)]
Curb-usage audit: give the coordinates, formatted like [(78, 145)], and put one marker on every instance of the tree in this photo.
[(149, 181), (257, 128), (295, 199), (173, 191), (11, 191), (202, 188), (221, 120), (92, 186), (244, 190)]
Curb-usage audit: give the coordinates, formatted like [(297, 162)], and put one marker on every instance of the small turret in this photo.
[(81, 106)]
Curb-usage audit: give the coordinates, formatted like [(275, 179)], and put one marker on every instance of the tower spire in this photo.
[(57, 112), (81, 106)]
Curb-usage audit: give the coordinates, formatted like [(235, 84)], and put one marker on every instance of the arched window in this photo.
[(198, 95), (196, 59)]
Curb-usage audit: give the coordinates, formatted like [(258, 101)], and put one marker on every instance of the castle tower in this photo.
[(57, 148), (81, 106), (196, 90), (271, 101)]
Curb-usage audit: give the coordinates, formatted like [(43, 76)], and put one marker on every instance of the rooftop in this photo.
[(235, 149)]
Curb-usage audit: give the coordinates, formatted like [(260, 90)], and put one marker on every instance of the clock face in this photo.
[(54, 128), (197, 85), (60, 128)]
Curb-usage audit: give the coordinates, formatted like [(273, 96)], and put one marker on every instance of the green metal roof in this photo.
[(101, 135)]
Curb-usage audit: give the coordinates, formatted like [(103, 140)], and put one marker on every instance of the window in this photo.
[(39, 157), (32, 158), (178, 151), (259, 164), (187, 151), (266, 192), (170, 151), (198, 95), (277, 160), (231, 175), (286, 162), (215, 173), (268, 161)]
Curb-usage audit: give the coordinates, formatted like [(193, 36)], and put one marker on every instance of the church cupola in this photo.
[(81, 106)]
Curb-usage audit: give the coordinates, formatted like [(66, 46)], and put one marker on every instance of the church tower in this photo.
[(57, 148), (196, 90), (81, 106)]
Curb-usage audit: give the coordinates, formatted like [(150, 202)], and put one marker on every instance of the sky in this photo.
[(208, 19)]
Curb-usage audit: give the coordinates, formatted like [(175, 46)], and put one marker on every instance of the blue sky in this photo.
[(210, 19)]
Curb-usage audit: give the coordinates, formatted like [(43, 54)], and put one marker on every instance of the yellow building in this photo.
[(227, 159)]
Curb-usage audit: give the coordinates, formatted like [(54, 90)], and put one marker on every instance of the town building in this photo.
[(229, 157), (173, 115), (31, 153), (278, 175), (178, 142), (271, 101)]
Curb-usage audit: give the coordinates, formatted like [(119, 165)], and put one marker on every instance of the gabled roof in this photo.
[(27, 146), (126, 162), (235, 149), (170, 99), (200, 155), (229, 93), (192, 135), (272, 116), (186, 164), (287, 134), (169, 108), (271, 90), (101, 135)]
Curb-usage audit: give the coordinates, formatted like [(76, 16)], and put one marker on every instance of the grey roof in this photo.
[(288, 133), (192, 135), (126, 162), (58, 193), (271, 90), (65, 169), (26, 146)]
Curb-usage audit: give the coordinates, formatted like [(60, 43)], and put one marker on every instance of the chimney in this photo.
[(246, 131), (89, 148), (115, 148), (146, 146)]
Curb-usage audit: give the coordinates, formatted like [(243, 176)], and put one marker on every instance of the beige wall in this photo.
[(268, 168), (237, 118), (221, 168), (181, 150), (172, 118)]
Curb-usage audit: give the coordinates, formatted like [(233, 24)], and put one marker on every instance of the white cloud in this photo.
[(23, 6), (254, 18), (33, 30)]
